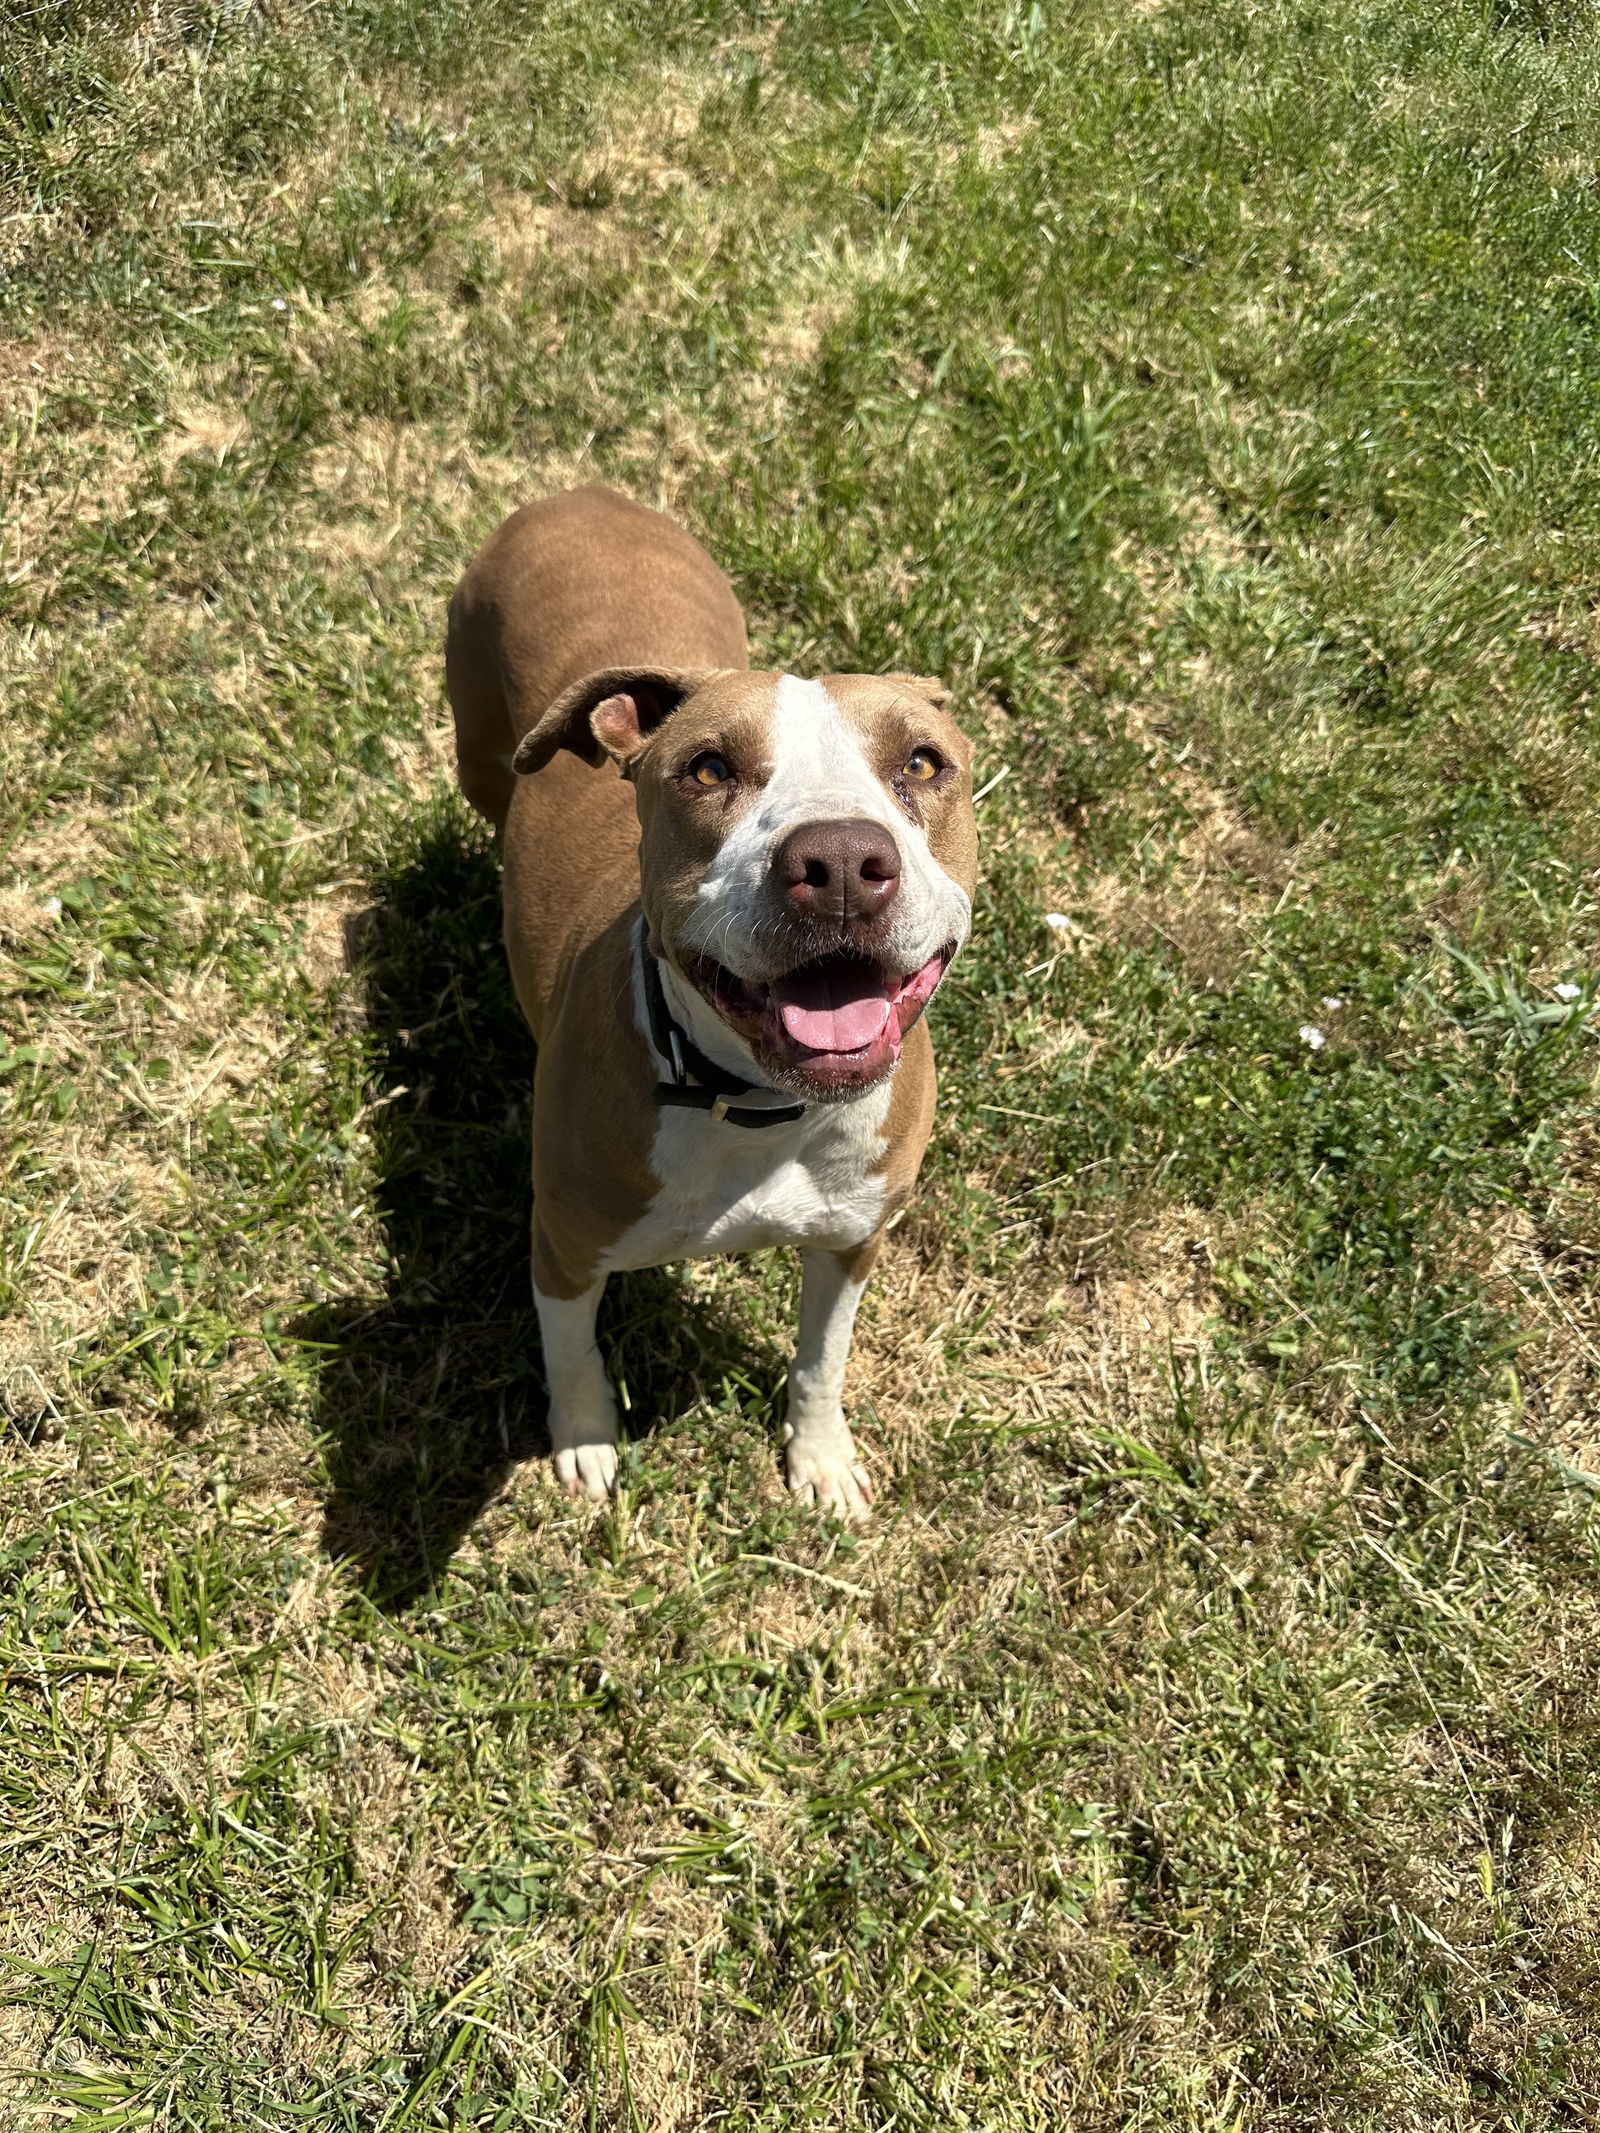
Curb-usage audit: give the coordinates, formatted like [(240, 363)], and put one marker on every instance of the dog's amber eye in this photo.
[(921, 766), (711, 769)]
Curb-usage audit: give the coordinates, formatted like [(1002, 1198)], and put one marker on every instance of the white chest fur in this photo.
[(730, 1188)]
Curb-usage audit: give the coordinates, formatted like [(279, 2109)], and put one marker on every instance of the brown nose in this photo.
[(838, 873)]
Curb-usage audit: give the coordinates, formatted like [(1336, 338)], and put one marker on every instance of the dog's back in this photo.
[(581, 581), (566, 587)]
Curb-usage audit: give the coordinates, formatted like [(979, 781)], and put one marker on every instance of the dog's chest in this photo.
[(737, 1189)]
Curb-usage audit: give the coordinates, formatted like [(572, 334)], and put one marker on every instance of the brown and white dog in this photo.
[(729, 896)]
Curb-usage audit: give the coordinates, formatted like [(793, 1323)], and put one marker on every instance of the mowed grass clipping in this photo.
[(1205, 1735)]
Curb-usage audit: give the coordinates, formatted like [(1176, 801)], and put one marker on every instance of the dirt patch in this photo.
[(59, 849), (88, 478), (1079, 1350), (1209, 539), (330, 925), (30, 1380), (28, 367), (1552, 1388), (88, 1262), (197, 428), (26, 917), (996, 145), (529, 232)]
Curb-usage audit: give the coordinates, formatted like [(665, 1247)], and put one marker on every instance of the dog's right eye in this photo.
[(710, 769)]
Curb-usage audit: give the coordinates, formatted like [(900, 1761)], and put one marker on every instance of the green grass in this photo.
[(1207, 1734)]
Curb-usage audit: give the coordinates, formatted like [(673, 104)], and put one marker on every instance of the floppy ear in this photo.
[(922, 685), (610, 713)]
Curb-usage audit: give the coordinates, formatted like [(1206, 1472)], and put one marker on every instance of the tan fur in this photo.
[(565, 588)]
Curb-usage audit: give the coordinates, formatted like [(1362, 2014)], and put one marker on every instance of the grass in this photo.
[(1205, 1736)]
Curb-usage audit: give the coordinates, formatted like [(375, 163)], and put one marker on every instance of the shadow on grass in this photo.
[(431, 1393)]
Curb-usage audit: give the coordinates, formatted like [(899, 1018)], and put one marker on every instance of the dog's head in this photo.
[(807, 851)]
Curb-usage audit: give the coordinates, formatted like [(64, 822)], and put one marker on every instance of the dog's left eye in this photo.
[(710, 769), (921, 766)]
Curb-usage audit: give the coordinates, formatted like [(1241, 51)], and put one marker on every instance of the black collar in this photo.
[(712, 1086)]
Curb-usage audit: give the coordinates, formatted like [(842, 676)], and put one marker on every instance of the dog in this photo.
[(729, 897)]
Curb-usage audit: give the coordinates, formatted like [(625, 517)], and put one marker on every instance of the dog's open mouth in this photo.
[(829, 1026)]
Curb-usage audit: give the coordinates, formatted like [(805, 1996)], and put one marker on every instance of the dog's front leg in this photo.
[(583, 1408), (822, 1461)]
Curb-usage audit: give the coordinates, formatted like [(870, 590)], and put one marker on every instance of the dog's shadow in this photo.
[(430, 1390)]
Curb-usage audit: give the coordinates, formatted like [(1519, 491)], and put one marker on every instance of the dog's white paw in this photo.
[(828, 1474), (587, 1470)]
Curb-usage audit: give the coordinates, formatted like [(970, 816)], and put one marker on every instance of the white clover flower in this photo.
[(1310, 1034), (51, 907), (278, 304), (1329, 1004), (1568, 992), (1058, 922)]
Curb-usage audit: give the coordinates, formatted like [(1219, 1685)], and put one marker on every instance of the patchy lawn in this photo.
[(1207, 1734)]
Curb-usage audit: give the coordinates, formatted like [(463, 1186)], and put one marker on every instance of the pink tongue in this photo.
[(833, 1007)]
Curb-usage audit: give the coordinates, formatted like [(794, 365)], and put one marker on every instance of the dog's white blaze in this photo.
[(820, 773)]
